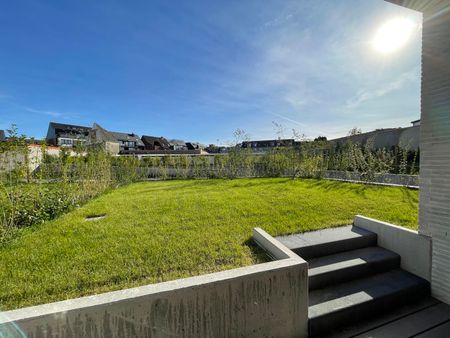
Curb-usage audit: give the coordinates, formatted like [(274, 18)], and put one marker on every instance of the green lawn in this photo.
[(157, 231)]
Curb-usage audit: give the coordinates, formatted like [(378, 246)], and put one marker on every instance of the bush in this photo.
[(32, 205), (60, 183)]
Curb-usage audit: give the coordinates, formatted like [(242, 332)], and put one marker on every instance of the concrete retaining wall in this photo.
[(269, 299), (414, 248)]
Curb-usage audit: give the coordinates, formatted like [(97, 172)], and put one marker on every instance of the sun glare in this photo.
[(393, 35)]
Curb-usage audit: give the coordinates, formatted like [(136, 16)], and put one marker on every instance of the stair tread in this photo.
[(324, 236), (338, 297), (348, 259)]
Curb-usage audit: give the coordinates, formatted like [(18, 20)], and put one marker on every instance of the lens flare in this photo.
[(393, 35)]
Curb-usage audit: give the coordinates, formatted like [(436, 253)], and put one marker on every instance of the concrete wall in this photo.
[(386, 138), (389, 179), (12, 160), (414, 248), (264, 300), (112, 148)]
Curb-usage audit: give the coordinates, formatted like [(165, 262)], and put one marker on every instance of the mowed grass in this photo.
[(158, 231)]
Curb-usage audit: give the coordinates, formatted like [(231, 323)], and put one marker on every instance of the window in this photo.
[(65, 141)]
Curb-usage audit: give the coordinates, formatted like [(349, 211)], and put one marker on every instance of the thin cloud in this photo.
[(367, 95), (54, 114), (307, 127), (280, 20)]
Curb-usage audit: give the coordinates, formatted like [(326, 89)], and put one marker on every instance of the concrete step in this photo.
[(338, 305), (350, 265), (328, 241)]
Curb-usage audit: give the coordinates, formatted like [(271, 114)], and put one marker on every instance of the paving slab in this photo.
[(408, 326), (328, 241), (385, 318), (344, 266)]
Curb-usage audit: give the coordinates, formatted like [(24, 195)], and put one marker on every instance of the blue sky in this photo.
[(199, 69)]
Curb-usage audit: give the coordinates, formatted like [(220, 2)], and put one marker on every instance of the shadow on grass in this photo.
[(410, 197), (258, 254), (258, 182), (224, 182), (180, 184), (329, 185)]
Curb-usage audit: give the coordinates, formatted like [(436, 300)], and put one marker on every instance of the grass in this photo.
[(157, 231)]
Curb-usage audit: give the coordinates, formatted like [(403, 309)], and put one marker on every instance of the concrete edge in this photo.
[(286, 259), (141, 291), (274, 248), (412, 187), (413, 247)]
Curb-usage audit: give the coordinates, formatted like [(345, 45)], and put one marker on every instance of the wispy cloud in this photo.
[(368, 94), (289, 120), (280, 20), (51, 113), (307, 127)]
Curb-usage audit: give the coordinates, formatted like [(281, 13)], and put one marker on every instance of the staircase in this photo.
[(351, 278)]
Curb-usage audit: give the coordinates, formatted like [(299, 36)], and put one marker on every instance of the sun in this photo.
[(393, 35)]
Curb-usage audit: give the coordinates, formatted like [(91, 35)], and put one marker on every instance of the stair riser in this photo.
[(336, 247), (334, 321), (352, 273)]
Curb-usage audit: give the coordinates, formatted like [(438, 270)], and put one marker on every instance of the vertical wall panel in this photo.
[(434, 207)]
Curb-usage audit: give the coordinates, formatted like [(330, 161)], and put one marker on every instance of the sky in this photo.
[(200, 69)]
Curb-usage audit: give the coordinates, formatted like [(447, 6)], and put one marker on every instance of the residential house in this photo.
[(266, 145), (178, 145), (116, 142), (67, 135), (192, 146), (155, 143), (128, 142)]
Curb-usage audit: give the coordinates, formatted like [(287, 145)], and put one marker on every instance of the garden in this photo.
[(157, 231), (87, 222)]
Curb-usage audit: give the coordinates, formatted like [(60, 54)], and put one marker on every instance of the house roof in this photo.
[(126, 137), (177, 142), (150, 140), (57, 125), (101, 134)]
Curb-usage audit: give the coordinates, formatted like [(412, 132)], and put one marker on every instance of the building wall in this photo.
[(112, 148), (434, 207), (409, 138), (12, 160), (386, 138)]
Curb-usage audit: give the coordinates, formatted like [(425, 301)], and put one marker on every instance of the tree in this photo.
[(354, 131)]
